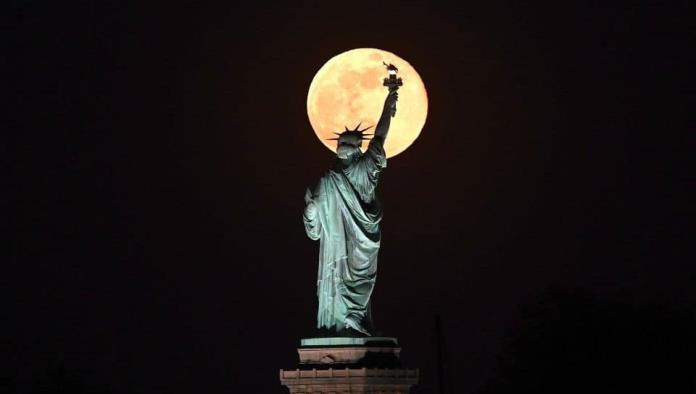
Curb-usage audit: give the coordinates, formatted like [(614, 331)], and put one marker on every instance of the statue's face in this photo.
[(346, 150)]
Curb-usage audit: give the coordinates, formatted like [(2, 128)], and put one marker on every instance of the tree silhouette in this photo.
[(574, 342)]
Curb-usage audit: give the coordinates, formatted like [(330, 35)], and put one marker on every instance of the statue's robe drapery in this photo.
[(346, 218)]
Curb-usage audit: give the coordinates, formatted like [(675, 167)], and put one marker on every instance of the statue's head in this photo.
[(349, 142)]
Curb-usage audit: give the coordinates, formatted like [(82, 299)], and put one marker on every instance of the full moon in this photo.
[(348, 90)]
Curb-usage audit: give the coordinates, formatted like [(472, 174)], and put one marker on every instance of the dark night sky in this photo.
[(159, 155)]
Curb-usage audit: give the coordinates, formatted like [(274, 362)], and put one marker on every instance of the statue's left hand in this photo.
[(308, 196), (310, 206)]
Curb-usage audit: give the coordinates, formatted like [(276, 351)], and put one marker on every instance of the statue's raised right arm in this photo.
[(387, 113)]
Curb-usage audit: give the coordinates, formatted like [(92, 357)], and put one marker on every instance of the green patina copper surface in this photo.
[(344, 214), (347, 341)]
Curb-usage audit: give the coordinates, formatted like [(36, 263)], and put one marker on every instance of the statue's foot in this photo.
[(352, 324)]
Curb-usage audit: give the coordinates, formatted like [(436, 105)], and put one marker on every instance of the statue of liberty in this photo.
[(344, 214)]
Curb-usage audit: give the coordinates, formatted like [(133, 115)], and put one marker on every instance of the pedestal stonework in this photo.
[(349, 365)]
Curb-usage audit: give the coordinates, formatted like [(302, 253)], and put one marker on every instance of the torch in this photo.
[(392, 82)]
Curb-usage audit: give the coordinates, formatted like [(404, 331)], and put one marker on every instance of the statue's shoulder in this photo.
[(375, 153), (327, 176)]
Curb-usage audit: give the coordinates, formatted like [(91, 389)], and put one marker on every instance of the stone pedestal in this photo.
[(349, 365)]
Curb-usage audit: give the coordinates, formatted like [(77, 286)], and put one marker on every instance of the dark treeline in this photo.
[(577, 342)]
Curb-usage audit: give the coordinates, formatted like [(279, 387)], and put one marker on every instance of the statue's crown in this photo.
[(353, 137)]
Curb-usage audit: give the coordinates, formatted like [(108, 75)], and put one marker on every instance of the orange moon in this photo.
[(348, 90)]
